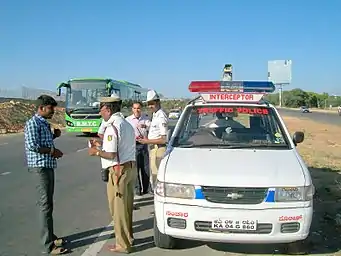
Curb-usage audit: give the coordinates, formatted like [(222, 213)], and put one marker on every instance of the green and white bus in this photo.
[(81, 100)]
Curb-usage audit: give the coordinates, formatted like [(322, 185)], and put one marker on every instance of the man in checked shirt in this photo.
[(42, 158)]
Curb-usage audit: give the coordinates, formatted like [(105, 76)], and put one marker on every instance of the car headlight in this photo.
[(294, 194), (175, 190)]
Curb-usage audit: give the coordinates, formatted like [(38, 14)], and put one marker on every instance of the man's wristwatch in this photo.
[(97, 153), (52, 151)]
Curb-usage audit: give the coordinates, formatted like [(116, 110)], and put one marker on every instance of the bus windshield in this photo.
[(231, 127), (85, 94)]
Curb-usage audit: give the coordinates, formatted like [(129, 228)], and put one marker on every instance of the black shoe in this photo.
[(145, 192), (138, 193)]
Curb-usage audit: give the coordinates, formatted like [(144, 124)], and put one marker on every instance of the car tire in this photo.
[(297, 248), (162, 241)]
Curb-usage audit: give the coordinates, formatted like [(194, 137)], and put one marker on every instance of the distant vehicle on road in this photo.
[(305, 109), (174, 114)]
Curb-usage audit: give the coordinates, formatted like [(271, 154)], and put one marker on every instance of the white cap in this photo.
[(152, 95)]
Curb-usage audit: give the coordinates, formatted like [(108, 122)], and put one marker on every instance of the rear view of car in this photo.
[(305, 109), (174, 114)]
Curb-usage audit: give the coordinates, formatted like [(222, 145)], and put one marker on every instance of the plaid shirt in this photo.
[(38, 135)]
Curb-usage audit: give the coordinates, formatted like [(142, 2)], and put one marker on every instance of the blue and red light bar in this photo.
[(232, 86)]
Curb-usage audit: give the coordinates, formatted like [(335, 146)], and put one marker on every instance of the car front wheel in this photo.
[(162, 240)]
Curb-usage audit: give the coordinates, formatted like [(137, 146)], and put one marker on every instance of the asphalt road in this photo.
[(327, 118), (81, 210), (81, 204)]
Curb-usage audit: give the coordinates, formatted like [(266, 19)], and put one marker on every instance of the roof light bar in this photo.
[(232, 86)]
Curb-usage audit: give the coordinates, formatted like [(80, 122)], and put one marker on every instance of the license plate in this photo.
[(228, 224), (86, 130), (86, 123)]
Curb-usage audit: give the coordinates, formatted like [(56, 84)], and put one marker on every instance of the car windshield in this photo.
[(174, 111), (230, 127)]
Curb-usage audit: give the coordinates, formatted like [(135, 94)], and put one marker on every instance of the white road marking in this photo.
[(3, 144), (80, 150), (97, 246), (5, 173)]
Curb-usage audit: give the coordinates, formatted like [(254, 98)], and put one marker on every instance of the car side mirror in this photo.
[(298, 137)]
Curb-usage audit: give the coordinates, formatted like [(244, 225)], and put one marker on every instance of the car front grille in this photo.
[(234, 195)]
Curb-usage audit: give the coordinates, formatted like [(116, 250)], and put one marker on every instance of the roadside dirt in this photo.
[(321, 150), (14, 114)]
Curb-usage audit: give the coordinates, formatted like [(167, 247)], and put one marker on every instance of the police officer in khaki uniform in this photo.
[(157, 134), (118, 156)]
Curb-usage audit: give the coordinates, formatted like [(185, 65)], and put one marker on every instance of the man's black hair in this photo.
[(137, 102), (45, 100)]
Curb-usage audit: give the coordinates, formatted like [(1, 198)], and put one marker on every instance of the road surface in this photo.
[(327, 118), (81, 210)]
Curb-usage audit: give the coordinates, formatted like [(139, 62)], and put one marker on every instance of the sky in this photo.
[(164, 45)]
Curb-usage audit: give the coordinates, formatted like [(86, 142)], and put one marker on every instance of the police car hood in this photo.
[(234, 167)]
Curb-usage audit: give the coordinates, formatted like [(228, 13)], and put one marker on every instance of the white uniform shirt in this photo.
[(126, 138), (101, 128), (158, 125)]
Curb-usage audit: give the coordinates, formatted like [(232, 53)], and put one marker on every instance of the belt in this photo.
[(158, 146), (127, 164)]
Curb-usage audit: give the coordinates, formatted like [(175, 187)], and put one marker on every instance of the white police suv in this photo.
[(231, 172)]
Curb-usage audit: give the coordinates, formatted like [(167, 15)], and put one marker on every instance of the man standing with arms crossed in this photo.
[(140, 122), (118, 157), (42, 158), (157, 135)]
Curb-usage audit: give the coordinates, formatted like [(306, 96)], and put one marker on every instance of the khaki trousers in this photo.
[(155, 156), (121, 199)]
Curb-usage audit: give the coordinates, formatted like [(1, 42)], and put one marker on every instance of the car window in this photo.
[(234, 127)]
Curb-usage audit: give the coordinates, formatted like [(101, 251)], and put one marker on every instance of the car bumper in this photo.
[(195, 223)]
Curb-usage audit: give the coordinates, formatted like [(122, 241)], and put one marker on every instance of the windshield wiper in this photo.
[(269, 145), (82, 108), (234, 145), (193, 145)]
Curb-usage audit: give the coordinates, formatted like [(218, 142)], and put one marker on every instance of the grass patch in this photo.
[(321, 147)]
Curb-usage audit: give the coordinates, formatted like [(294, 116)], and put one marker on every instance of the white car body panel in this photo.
[(238, 168)]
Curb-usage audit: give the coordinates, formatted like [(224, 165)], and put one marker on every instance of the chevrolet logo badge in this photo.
[(234, 196)]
